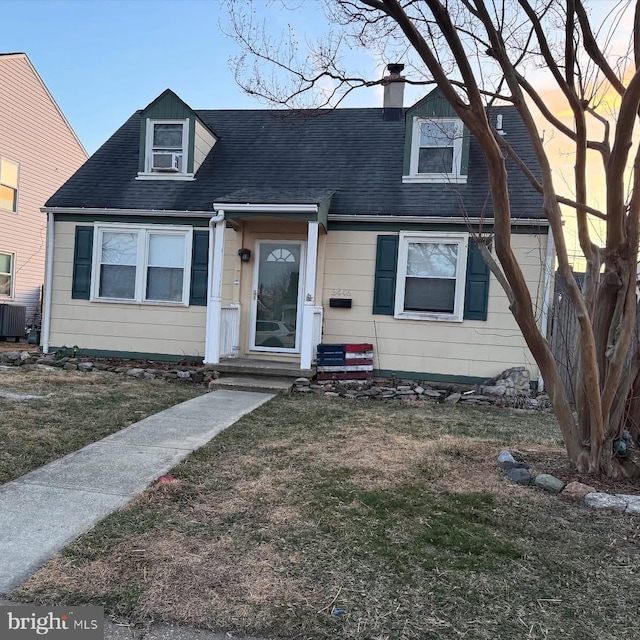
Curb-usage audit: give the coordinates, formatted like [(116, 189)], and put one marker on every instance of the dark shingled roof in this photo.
[(286, 157)]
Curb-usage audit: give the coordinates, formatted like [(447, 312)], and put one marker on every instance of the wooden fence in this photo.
[(564, 334)]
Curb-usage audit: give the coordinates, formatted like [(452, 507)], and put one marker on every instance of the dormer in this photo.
[(173, 140), (436, 143)]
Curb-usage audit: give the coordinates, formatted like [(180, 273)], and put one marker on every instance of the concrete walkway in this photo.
[(46, 509)]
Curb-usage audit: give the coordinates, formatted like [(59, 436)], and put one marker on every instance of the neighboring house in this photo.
[(38, 152), (258, 234)]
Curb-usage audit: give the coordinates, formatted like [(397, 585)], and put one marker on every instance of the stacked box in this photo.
[(345, 361)]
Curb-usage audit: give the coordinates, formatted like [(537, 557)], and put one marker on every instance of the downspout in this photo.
[(214, 301), (48, 283), (546, 295)]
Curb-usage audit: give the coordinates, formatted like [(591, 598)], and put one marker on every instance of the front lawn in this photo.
[(327, 518), (77, 408)]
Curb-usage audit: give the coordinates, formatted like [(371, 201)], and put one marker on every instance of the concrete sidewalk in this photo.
[(46, 509)]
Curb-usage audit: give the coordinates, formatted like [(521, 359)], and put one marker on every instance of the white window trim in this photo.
[(12, 292), (148, 174), (17, 187), (462, 240), (144, 231), (456, 176)]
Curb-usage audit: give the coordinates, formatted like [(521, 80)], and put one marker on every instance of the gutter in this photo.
[(546, 295), (48, 284), (516, 222), (265, 208), (125, 212)]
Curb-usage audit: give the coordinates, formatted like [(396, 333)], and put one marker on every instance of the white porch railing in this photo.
[(230, 331), (317, 331)]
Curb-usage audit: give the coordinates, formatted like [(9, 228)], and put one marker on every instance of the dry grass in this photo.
[(393, 512), (76, 409)]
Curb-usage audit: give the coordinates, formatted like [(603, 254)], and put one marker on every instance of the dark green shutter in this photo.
[(82, 259), (199, 268), (384, 290), (476, 297)]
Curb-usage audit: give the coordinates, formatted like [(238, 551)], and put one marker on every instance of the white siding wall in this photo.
[(34, 134), (470, 348), (203, 143)]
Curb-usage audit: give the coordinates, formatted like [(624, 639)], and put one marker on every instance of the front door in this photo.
[(277, 286)]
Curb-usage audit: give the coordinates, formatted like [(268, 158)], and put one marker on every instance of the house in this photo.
[(258, 234), (38, 152)]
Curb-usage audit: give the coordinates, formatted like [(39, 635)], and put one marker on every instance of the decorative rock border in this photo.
[(199, 374), (386, 389), (519, 472), (510, 389)]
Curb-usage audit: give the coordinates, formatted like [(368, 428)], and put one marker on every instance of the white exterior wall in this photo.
[(34, 134), (129, 327), (470, 348)]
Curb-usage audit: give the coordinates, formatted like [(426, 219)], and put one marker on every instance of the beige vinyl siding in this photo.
[(203, 142), (469, 348), (34, 134), (144, 328)]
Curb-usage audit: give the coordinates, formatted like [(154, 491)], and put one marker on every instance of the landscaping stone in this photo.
[(598, 500), (148, 376), (70, 366), (170, 375), (577, 491), (183, 375), (506, 456), (85, 366), (302, 381), (493, 390), (633, 504), (431, 393), (454, 398), (332, 394), (549, 483), (135, 372), (519, 476), (197, 377), (419, 390)]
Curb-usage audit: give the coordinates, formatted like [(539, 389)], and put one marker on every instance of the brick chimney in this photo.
[(393, 92)]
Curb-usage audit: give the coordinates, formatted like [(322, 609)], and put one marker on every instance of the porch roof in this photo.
[(309, 205)]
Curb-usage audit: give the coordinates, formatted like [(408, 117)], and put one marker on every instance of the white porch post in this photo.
[(214, 291), (307, 346)]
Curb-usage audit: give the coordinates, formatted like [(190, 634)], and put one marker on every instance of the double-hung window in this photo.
[(6, 275), (436, 150), (167, 147), (8, 185), (142, 264), (431, 276)]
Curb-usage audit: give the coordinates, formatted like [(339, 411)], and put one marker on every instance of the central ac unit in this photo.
[(166, 161)]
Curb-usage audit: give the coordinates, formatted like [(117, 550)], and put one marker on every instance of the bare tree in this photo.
[(482, 51)]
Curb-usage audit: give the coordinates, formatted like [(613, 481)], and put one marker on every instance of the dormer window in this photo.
[(436, 151), (167, 146), (167, 149)]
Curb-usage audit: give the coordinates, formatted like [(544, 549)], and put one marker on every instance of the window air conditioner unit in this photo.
[(168, 161)]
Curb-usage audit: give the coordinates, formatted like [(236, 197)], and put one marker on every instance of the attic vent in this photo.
[(168, 161)]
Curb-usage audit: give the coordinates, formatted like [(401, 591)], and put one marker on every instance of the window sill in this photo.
[(434, 179), (165, 176), (140, 303), (432, 317)]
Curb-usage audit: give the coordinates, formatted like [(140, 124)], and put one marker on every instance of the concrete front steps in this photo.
[(264, 376)]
